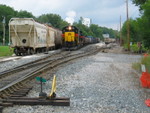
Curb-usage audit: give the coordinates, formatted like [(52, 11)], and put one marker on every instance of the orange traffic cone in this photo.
[(145, 79), (147, 102), (146, 54)]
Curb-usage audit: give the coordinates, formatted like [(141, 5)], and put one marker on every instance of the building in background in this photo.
[(108, 40), (106, 35), (85, 21)]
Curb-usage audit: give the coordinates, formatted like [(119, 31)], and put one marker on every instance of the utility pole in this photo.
[(128, 32), (120, 32), (3, 30)]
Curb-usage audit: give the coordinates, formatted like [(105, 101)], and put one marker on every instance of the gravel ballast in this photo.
[(103, 83)]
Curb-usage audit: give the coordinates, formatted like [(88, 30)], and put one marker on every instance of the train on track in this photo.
[(73, 38), (28, 37), (109, 40)]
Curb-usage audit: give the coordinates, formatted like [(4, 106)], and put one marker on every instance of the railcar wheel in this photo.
[(16, 52), (43, 50), (32, 52), (28, 52), (23, 54), (19, 54)]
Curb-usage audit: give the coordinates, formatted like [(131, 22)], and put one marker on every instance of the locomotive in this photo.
[(72, 38), (27, 36), (109, 40)]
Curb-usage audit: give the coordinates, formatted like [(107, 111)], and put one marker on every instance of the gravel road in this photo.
[(103, 83)]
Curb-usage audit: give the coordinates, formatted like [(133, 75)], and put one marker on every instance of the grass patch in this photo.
[(145, 61), (5, 51), (137, 66)]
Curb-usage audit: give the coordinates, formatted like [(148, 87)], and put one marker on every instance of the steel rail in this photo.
[(27, 65), (46, 66)]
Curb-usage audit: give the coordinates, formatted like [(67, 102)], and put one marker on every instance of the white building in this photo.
[(86, 21), (106, 35)]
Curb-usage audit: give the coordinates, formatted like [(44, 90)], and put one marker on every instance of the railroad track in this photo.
[(28, 65), (12, 88), (10, 76)]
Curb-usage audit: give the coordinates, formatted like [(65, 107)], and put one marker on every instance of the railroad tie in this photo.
[(37, 101), (6, 104), (1, 109)]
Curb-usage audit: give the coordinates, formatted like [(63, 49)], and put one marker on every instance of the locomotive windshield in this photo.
[(70, 29)]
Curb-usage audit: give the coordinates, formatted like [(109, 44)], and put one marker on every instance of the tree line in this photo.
[(54, 20), (139, 27)]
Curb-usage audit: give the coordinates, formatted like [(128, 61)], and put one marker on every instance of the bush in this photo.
[(125, 46), (145, 61), (134, 48), (145, 50)]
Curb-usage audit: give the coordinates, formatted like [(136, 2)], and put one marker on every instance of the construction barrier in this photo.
[(146, 54), (145, 79), (147, 102)]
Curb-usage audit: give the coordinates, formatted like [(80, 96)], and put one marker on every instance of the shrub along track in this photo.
[(17, 82)]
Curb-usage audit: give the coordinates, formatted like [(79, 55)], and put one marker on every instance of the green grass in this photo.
[(5, 51), (145, 61), (137, 66)]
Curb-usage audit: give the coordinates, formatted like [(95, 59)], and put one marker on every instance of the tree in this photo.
[(63, 24), (85, 30), (52, 19), (7, 12), (24, 14), (140, 27), (139, 2), (111, 32), (144, 23), (134, 31), (97, 31)]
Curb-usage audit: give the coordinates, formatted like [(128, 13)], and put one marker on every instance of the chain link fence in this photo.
[(1, 44)]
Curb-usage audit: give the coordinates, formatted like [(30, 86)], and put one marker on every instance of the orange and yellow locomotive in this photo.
[(72, 37)]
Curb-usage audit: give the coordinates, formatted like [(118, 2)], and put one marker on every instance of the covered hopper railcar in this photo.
[(27, 36)]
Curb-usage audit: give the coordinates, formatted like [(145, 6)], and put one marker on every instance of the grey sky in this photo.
[(102, 12)]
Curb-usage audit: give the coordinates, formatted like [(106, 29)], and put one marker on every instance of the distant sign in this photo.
[(143, 68), (40, 79)]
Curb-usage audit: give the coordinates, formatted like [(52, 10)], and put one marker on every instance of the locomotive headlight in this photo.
[(69, 28)]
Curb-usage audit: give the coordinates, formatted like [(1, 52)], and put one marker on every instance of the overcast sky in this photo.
[(102, 12)]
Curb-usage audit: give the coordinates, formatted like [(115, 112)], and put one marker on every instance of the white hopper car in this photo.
[(28, 37)]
